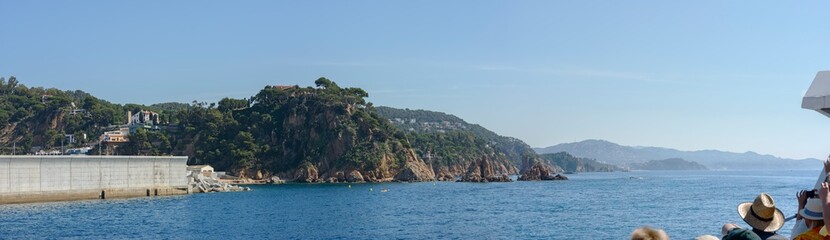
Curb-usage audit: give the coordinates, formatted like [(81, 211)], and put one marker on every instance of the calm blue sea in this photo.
[(589, 206)]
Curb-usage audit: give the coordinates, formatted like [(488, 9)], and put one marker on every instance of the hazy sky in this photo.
[(690, 75)]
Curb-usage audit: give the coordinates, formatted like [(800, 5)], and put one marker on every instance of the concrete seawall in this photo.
[(59, 178)]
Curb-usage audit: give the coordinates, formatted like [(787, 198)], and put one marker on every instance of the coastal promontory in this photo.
[(541, 171), (319, 134), (486, 170)]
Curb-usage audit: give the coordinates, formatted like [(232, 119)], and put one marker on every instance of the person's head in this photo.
[(727, 227), (812, 213), (648, 233), (761, 214), (737, 233), (706, 237)]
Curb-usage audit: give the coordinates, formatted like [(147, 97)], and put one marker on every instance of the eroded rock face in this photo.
[(340, 176), (541, 171), (483, 170), (415, 170), (307, 174), (443, 174), (355, 176)]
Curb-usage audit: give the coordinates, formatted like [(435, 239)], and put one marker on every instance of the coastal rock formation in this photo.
[(274, 180), (415, 170), (541, 171), (445, 140), (322, 133), (483, 170), (371, 176), (202, 184), (307, 174), (355, 176), (443, 174)]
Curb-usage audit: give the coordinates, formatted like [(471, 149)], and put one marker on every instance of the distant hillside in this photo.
[(668, 164), (570, 163), (434, 124), (623, 155)]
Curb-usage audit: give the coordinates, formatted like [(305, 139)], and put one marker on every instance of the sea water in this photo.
[(588, 206)]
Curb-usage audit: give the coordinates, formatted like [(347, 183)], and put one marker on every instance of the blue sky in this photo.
[(691, 75)]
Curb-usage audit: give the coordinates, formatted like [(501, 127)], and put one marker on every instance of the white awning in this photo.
[(818, 96)]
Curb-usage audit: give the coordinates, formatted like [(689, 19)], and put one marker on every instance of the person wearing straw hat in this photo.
[(762, 216), (649, 233), (813, 216)]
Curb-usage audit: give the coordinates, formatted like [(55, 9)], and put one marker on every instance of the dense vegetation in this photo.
[(41, 118), (451, 147), (454, 138), (570, 163), (282, 130)]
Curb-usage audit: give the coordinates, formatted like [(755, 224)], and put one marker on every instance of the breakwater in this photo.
[(59, 178)]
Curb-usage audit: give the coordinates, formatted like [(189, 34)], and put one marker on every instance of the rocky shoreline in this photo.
[(202, 184), (482, 170), (541, 171)]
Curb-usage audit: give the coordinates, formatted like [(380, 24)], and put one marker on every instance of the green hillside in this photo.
[(570, 163), (437, 125), (306, 134)]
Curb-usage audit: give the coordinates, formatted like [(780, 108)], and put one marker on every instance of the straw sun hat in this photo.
[(762, 214), (812, 210)]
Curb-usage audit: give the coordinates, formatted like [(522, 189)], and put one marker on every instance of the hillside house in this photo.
[(143, 118), (119, 136)]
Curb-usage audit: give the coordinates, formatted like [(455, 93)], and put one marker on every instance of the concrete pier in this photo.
[(63, 178)]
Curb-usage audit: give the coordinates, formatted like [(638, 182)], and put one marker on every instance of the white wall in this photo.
[(54, 178), (5, 176), (24, 175), (60, 173), (115, 173)]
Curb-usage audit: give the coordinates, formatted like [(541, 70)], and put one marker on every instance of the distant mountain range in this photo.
[(619, 155), (668, 164)]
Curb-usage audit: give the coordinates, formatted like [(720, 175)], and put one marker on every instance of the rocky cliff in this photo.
[(415, 170), (486, 170), (541, 171), (305, 134), (322, 134), (450, 145)]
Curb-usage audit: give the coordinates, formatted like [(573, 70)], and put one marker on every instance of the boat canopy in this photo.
[(818, 96)]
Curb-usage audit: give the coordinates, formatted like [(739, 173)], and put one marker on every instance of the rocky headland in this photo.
[(541, 171), (319, 134), (485, 170)]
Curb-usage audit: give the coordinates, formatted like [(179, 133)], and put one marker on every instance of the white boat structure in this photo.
[(818, 98), (818, 95)]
